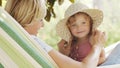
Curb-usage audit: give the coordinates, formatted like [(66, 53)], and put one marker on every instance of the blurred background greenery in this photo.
[(56, 9)]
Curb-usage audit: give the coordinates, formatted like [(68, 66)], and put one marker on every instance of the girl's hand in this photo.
[(64, 47), (98, 38)]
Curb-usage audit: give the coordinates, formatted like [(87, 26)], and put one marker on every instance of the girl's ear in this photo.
[(91, 39), (93, 30)]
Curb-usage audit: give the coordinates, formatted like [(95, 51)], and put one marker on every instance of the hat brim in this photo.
[(63, 31), (96, 15)]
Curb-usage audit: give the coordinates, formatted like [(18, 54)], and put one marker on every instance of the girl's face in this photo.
[(79, 25), (34, 27)]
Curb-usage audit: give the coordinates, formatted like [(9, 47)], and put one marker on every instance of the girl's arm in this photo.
[(102, 57), (101, 39), (63, 47)]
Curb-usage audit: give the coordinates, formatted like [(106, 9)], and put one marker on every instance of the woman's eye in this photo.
[(41, 19)]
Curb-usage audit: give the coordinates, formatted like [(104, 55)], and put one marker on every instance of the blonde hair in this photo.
[(25, 11)]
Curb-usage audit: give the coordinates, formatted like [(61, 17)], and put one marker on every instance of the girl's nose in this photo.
[(79, 26)]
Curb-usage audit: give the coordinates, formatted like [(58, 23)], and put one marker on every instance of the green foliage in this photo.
[(48, 34), (72, 1), (0, 2), (60, 2), (50, 10), (113, 34)]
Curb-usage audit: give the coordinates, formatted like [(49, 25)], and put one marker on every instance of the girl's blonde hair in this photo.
[(25, 11)]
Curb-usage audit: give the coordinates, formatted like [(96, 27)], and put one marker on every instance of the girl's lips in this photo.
[(80, 32)]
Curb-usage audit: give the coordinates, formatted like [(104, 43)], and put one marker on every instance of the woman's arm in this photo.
[(66, 62)]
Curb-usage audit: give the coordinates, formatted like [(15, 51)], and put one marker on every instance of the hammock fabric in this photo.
[(18, 49)]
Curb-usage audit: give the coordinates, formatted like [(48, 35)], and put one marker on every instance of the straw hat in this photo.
[(61, 27)]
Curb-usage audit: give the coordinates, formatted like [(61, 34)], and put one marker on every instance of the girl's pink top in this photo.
[(80, 51)]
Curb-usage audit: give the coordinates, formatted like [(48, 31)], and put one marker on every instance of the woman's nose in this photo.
[(42, 23)]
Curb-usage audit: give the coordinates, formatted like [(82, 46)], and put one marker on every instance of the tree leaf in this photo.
[(60, 2), (50, 10), (54, 15), (0, 2), (72, 1), (48, 16)]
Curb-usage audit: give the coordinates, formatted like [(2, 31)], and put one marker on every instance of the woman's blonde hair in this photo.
[(25, 11)]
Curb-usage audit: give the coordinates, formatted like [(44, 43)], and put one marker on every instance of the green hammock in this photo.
[(18, 49)]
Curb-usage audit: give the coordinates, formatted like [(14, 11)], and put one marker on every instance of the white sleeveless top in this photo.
[(45, 46)]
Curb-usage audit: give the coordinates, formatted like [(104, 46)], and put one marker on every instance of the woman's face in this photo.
[(79, 25), (34, 27)]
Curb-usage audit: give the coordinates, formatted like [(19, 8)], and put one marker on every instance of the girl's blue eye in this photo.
[(83, 22), (73, 25)]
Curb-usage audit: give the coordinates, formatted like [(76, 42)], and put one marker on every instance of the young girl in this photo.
[(29, 15), (76, 31)]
